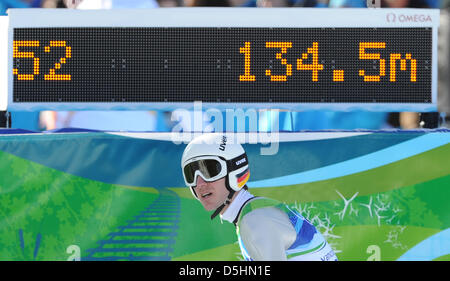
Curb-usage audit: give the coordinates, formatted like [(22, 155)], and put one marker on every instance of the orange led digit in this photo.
[(283, 46), (246, 51), (17, 54), (52, 72), (338, 75), (314, 66), (373, 56), (413, 63)]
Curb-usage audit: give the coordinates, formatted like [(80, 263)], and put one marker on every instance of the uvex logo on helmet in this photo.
[(223, 144), (243, 160)]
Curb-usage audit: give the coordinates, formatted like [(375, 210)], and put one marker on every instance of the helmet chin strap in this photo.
[(227, 202)]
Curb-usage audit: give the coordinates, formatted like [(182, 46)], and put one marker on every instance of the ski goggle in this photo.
[(210, 168)]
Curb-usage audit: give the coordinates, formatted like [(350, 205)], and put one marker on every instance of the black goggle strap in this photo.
[(238, 162)]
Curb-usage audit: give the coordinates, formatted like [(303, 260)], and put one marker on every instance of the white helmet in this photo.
[(214, 156)]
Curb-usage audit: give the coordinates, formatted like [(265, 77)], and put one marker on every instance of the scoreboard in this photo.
[(293, 58)]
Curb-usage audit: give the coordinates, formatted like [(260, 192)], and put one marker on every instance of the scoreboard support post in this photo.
[(5, 119)]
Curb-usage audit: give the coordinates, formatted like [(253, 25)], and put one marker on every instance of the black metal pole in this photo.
[(5, 119)]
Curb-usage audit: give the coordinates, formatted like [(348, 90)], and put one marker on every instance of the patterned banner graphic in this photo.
[(380, 195)]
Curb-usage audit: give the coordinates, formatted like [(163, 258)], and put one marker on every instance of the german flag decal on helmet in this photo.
[(243, 177)]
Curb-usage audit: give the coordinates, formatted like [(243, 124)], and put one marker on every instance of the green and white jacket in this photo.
[(269, 230)]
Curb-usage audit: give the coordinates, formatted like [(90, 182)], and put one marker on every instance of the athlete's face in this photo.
[(211, 194)]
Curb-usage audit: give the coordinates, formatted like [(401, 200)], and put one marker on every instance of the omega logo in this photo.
[(391, 17)]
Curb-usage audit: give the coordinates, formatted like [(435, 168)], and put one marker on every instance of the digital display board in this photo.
[(250, 65), (3, 69), (222, 65)]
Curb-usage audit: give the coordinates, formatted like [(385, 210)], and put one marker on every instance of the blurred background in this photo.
[(161, 121)]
